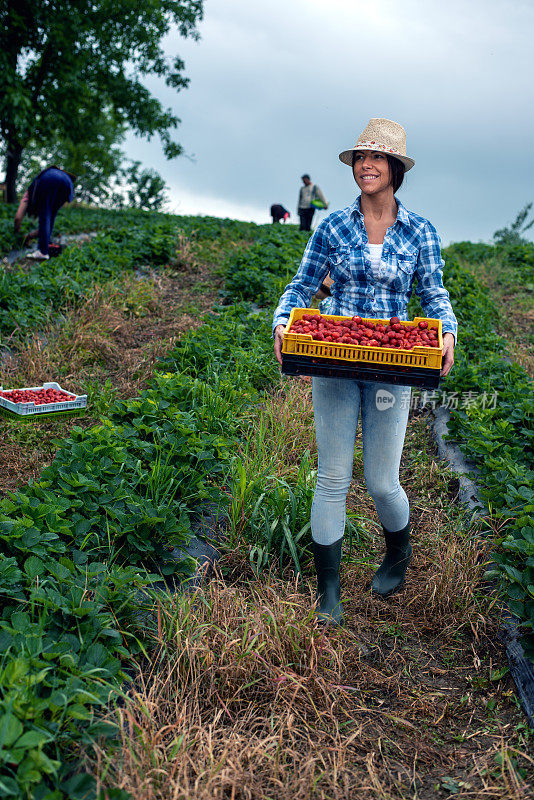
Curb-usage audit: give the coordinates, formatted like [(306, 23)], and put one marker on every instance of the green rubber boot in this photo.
[(327, 559), (389, 577)]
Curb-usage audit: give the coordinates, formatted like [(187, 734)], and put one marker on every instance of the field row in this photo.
[(85, 542)]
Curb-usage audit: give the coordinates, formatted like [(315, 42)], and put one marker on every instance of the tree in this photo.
[(514, 234), (104, 176), (97, 161), (63, 63), (146, 188)]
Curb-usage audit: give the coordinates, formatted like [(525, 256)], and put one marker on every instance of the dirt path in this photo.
[(246, 698)]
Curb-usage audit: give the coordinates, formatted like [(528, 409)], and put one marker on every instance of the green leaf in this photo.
[(33, 739), (80, 787), (15, 671), (33, 567), (8, 787), (10, 730), (77, 711), (21, 621)]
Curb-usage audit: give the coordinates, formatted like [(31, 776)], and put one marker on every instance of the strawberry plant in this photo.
[(498, 441), (81, 546), (259, 273)]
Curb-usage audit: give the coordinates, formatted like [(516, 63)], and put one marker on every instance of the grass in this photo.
[(512, 290), (105, 346), (244, 697), (281, 429)]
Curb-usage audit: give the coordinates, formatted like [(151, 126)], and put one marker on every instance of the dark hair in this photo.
[(396, 170), (305, 176)]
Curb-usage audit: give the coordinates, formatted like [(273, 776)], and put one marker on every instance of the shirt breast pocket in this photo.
[(340, 264), (405, 271)]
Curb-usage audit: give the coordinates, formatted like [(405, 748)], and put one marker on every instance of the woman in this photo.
[(51, 189), (373, 250)]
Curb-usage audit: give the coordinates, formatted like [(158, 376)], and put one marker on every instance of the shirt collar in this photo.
[(402, 213)]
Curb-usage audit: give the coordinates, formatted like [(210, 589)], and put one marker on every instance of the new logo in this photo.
[(384, 399)]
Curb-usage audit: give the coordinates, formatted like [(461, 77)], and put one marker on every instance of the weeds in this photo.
[(84, 337), (246, 697), (269, 514)]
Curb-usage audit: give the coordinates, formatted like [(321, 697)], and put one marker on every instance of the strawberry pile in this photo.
[(38, 396), (355, 330)]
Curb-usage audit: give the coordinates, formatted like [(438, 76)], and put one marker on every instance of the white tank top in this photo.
[(376, 258)]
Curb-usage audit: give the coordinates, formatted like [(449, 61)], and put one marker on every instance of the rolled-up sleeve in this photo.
[(432, 293), (311, 273)]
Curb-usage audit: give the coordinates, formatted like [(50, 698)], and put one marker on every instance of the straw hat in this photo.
[(384, 135)]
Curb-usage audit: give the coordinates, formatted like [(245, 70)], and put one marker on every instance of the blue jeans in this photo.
[(337, 403)]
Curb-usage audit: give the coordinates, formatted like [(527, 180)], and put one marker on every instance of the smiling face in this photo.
[(371, 171)]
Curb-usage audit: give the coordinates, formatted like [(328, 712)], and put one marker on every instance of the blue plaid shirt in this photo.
[(340, 246)]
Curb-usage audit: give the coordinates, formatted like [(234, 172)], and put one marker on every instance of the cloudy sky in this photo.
[(279, 88)]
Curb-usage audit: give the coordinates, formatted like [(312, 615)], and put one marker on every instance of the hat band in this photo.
[(378, 146)]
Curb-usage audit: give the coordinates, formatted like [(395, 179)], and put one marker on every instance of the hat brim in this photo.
[(346, 157)]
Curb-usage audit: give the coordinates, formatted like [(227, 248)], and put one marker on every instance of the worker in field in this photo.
[(373, 250), (279, 213), (310, 199), (48, 191)]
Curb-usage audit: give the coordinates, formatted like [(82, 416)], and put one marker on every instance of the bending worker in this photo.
[(43, 198), (279, 213)]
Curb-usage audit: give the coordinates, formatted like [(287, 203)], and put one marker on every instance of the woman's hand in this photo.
[(278, 337), (448, 354)]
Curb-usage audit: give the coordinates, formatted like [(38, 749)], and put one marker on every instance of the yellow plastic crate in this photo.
[(303, 344)]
